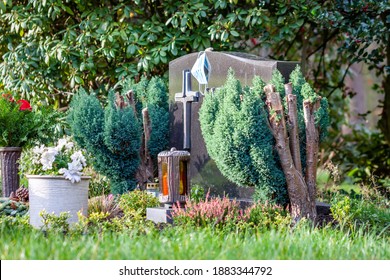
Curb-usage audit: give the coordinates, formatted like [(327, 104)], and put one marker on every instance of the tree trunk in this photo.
[(312, 145), (300, 202), (293, 127), (145, 170), (384, 122)]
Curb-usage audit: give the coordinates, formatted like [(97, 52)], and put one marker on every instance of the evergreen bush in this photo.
[(235, 126), (112, 135)]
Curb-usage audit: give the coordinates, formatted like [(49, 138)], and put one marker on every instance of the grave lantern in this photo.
[(174, 178)]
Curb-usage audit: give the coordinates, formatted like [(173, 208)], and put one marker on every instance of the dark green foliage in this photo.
[(159, 139), (50, 48), (238, 137), (16, 125), (21, 127), (365, 158), (112, 136)]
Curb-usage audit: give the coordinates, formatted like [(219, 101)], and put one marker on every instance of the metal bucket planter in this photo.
[(9, 157), (56, 194)]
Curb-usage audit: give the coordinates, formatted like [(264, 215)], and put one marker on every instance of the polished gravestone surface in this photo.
[(203, 170)]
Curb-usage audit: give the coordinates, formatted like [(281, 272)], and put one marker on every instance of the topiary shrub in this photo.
[(113, 134), (239, 132)]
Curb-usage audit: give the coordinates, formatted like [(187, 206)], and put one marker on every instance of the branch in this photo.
[(325, 42), (341, 82), (295, 38)]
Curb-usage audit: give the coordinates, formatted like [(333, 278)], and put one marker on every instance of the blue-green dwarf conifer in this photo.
[(238, 138), (112, 135)]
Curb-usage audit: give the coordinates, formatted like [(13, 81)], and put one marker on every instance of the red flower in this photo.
[(24, 105)]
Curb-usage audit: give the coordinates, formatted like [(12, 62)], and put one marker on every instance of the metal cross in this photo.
[(187, 96)]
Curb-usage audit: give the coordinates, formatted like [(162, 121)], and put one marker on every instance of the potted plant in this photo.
[(56, 181), (17, 125)]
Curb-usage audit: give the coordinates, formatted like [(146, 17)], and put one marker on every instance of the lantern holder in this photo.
[(174, 184)]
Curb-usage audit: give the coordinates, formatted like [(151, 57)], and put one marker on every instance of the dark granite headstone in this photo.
[(203, 169)]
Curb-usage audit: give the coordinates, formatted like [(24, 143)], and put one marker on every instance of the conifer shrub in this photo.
[(112, 134), (235, 126), (153, 95)]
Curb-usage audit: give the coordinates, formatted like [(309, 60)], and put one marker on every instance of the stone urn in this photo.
[(9, 160), (55, 194)]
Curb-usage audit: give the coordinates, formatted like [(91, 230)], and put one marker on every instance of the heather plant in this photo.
[(212, 211), (224, 213)]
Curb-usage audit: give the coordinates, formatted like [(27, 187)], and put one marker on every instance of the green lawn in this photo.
[(200, 244)]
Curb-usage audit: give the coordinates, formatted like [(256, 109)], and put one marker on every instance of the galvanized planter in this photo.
[(56, 194), (9, 160)]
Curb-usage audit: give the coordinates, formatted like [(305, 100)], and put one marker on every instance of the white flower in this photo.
[(72, 173), (39, 149), (79, 157), (61, 143), (69, 145), (48, 157), (75, 165), (65, 150)]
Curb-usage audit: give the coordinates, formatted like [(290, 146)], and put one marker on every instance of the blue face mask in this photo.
[(201, 69)]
